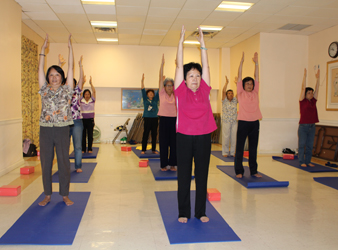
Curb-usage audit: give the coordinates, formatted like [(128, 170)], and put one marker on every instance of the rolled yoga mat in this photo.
[(87, 170), (54, 224), (87, 155), (249, 181), (295, 163), (194, 231)]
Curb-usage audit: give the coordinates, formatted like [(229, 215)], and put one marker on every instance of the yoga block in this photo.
[(27, 170), (143, 163), (10, 190), (246, 153), (38, 153), (213, 194), (288, 156), (126, 148)]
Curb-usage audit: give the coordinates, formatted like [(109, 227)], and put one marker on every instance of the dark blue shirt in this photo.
[(150, 106)]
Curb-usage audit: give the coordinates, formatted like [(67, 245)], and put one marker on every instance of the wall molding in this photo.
[(10, 121), (12, 167)]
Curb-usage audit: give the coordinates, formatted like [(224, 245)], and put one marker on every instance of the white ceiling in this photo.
[(158, 22)]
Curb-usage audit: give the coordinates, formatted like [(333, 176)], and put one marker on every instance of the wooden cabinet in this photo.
[(326, 143)]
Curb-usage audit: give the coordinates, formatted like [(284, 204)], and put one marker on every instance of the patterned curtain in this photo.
[(29, 90)]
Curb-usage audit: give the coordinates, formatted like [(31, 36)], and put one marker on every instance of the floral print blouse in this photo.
[(75, 105), (229, 110), (55, 110)]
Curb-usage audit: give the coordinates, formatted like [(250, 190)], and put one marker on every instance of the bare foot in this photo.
[(67, 201), (164, 169), (79, 170), (45, 201), (311, 165), (143, 152), (258, 175), (239, 176), (90, 152), (183, 219), (303, 165), (155, 152), (173, 168), (204, 219), (225, 156)]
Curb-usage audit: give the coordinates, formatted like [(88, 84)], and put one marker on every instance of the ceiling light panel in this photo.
[(211, 28), (99, 2), (107, 39), (100, 9), (191, 42), (234, 6), (103, 24)]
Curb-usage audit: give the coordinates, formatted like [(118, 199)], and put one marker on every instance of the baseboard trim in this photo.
[(12, 167)]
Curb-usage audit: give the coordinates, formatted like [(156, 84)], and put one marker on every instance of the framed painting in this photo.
[(332, 85), (131, 99)]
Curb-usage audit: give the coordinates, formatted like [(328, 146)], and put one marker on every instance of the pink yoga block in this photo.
[(126, 148), (143, 163), (288, 156), (10, 190), (27, 170), (246, 153), (213, 194)]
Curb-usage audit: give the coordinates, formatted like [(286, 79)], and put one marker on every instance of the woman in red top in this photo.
[(308, 118)]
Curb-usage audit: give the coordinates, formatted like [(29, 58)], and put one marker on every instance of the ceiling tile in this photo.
[(31, 24), (312, 3), (324, 13), (140, 3), (163, 12), (153, 32), (42, 15), (209, 5), (77, 9), (269, 9), (35, 7), (216, 22), (131, 10), (64, 2), (167, 4), (295, 11), (151, 40), (224, 15), (100, 9), (159, 26), (198, 14), (101, 17), (130, 31)]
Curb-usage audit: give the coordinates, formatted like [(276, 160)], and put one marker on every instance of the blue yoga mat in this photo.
[(328, 181), (75, 177), (148, 154), (219, 155), (54, 224), (195, 231), (155, 166), (249, 181), (86, 155), (295, 163)]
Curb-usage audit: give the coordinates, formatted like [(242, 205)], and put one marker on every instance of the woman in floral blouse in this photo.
[(56, 116), (229, 120)]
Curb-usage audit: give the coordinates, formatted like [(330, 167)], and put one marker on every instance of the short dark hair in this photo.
[(150, 90), (229, 90), (248, 79), (168, 80), (308, 89), (84, 92), (74, 81), (59, 70), (189, 66)]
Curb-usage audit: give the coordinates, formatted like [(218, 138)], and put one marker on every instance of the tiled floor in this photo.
[(122, 211)]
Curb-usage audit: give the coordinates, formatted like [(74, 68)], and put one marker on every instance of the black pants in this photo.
[(189, 147), (168, 140), (251, 130), (150, 125), (88, 128), (58, 138)]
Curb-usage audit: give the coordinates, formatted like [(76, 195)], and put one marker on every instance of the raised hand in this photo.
[(84, 79), (70, 41), (305, 72), (318, 74), (182, 34), (255, 58), (80, 61), (163, 61), (45, 44), (200, 38), (62, 61), (242, 60), (226, 80), (90, 80), (236, 79)]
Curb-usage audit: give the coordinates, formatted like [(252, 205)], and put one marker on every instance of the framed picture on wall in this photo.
[(332, 85), (131, 99)]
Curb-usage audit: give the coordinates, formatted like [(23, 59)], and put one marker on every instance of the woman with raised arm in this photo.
[(76, 130), (307, 122), (229, 120), (87, 104), (150, 103), (56, 116), (195, 123), (248, 119), (167, 130)]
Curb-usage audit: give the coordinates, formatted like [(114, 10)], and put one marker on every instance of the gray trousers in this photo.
[(58, 138), (229, 133)]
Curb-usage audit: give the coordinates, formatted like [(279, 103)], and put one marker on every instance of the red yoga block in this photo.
[(126, 148), (27, 170), (143, 163), (288, 156), (213, 194), (38, 153), (246, 153), (10, 190)]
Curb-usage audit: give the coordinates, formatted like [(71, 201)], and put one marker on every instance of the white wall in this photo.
[(10, 101)]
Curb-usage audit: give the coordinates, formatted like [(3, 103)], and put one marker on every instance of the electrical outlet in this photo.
[(111, 126)]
